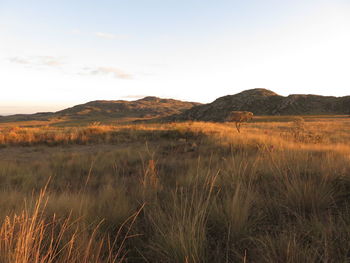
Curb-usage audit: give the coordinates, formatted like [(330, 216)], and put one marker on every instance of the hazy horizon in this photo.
[(55, 55)]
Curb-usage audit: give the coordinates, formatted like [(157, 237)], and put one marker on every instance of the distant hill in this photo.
[(266, 102), (41, 116), (258, 101), (146, 108)]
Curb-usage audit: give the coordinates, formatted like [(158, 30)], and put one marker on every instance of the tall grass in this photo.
[(32, 237), (180, 192), (180, 223)]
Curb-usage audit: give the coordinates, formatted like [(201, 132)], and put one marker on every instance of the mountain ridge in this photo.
[(145, 108), (266, 102), (259, 101)]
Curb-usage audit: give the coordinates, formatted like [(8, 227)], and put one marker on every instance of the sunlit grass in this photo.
[(276, 192), (33, 237)]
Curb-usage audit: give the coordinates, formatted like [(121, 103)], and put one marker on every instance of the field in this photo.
[(279, 191)]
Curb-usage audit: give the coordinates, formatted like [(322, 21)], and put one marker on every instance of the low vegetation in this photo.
[(178, 192)]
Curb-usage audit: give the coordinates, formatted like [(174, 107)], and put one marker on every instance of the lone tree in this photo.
[(238, 117)]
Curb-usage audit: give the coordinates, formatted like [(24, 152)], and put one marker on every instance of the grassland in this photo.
[(279, 191)]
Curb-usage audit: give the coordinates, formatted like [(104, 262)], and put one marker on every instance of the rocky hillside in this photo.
[(258, 101), (266, 102), (146, 108)]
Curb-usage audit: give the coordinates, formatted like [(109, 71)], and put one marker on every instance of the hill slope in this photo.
[(258, 101), (146, 108), (266, 102)]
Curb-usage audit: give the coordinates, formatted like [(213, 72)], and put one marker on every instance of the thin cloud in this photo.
[(19, 60), (109, 35), (40, 62), (47, 61), (75, 32), (115, 72), (134, 96)]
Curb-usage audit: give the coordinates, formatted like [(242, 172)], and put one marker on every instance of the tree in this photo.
[(238, 117)]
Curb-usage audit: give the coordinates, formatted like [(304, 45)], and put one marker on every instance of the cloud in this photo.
[(47, 61), (75, 32), (115, 72), (19, 60), (134, 96), (42, 62), (109, 35)]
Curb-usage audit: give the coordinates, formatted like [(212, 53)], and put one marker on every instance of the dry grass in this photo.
[(276, 192), (331, 132), (32, 237)]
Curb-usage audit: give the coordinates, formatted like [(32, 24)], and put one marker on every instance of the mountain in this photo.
[(40, 116), (146, 108), (266, 102), (258, 101)]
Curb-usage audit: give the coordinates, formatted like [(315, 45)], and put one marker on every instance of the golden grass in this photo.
[(333, 131), (31, 237), (319, 136), (276, 192)]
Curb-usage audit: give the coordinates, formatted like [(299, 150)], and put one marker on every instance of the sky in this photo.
[(58, 53)]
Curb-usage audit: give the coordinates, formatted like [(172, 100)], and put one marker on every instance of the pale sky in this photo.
[(59, 53)]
